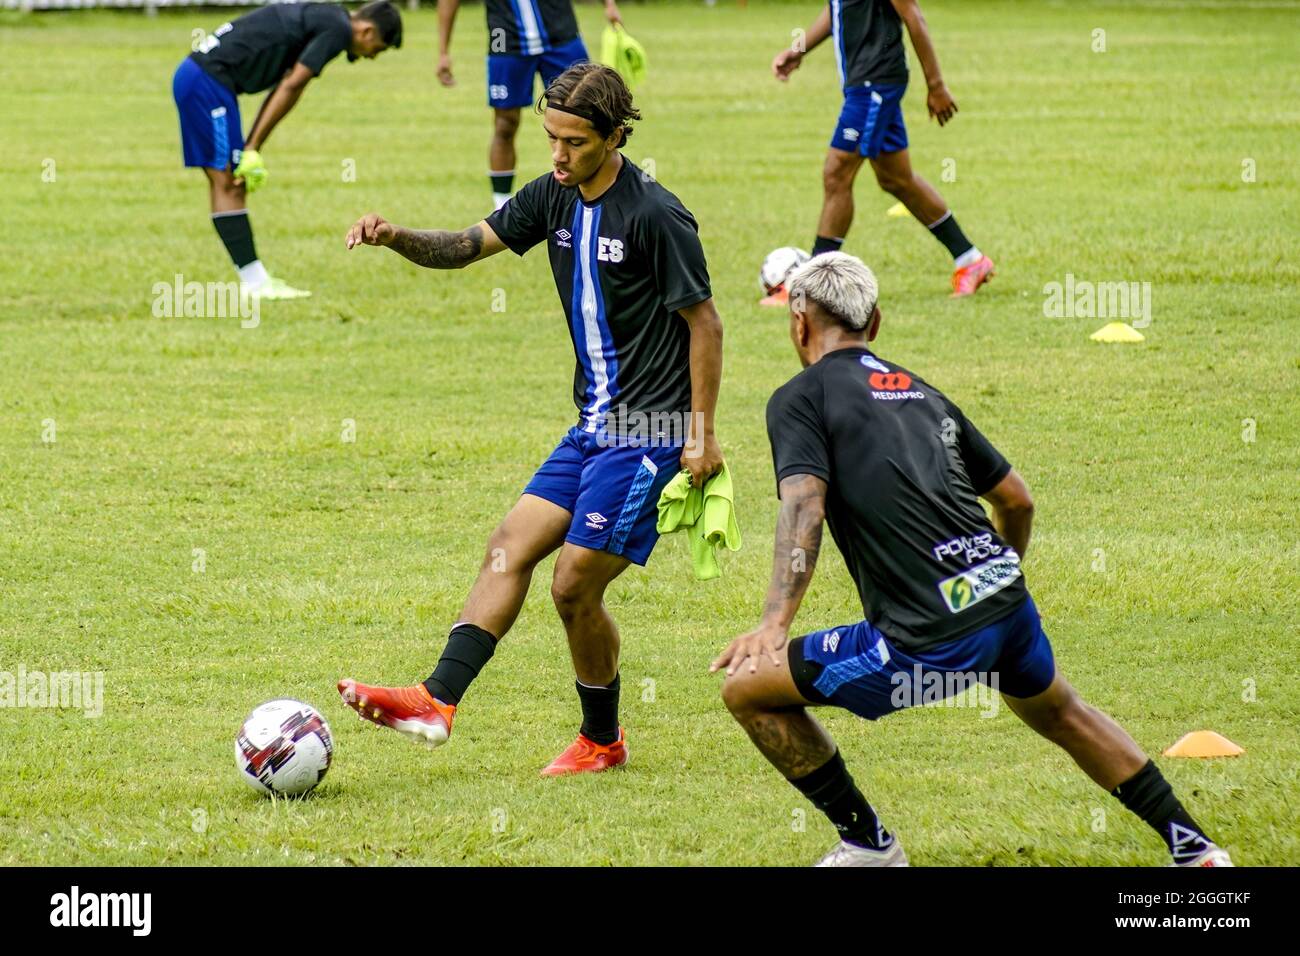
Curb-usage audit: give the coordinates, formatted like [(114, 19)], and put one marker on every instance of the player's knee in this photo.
[(895, 185), (737, 696), (571, 594), (837, 177), (504, 553), (1065, 717), (505, 124)]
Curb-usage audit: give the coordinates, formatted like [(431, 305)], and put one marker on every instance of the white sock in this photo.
[(499, 200), (253, 275), (971, 255)]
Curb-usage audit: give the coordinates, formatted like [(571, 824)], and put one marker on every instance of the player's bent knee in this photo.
[(737, 694), (505, 124)]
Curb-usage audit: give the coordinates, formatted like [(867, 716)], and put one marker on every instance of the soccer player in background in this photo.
[(634, 287), (280, 47), (868, 41), (526, 38), (897, 471)]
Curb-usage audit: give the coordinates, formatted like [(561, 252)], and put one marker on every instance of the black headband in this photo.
[(588, 115)]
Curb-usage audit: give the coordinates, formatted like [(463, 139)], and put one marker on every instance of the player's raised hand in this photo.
[(371, 229), (785, 63), (941, 104), (445, 76), (768, 640)]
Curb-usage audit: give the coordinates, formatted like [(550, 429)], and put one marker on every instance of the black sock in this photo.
[(826, 244), (949, 233), (502, 182), (1148, 794), (833, 792), (599, 712), (237, 233), (468, 649)]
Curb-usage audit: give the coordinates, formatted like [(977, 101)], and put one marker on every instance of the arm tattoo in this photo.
[(798, 540), (437, 249)]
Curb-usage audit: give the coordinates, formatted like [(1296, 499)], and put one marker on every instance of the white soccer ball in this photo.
[(778, 265), (284, 748)]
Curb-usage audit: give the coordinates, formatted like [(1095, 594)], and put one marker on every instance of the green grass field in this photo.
[(1165, 559)]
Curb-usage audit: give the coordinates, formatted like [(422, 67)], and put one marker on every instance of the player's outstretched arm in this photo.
[(431, 248), (446, 20), (702, 455), (277, 105), (1013, 510), (939, 101), (798, 540), (788, 60)]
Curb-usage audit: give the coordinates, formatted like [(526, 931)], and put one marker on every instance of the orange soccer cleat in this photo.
[(969, 278), (778, 297), (412, 711), (587, 756)]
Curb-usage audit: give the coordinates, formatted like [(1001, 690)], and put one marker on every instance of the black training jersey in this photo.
[(529, 27), (904, 469), (623, 266), (254, 52), (868, 38)]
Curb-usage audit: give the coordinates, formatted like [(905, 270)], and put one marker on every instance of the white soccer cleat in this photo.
[(1211, 856), (849, 854)]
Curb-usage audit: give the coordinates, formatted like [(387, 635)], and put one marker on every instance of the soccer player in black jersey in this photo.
[(634, 286), (281, 47), (896, 470), (526, 39), (868, 40)]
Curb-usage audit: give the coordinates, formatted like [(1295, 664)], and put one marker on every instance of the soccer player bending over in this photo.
[(897, 471), (634, 288), (280, 47), (868, 40)]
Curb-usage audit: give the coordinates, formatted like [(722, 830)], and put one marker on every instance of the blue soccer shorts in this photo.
[(611, 490), (871, 121), (211, 133), (856, 667), (510, 75)]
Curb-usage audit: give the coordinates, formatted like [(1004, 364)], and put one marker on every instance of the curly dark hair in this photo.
[(597, 94)]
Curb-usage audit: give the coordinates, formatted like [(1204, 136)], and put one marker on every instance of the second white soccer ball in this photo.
[(284, 748), (778, 265)]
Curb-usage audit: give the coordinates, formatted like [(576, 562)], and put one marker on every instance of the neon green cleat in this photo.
[(274, 288)]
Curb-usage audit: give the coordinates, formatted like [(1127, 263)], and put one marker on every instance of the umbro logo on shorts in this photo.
[(851, 135), (830, 642), (596, 521)]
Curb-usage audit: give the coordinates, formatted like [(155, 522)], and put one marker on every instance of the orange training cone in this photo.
[(1203, 743)]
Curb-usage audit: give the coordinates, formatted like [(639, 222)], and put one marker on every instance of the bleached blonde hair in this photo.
[(843, 285)]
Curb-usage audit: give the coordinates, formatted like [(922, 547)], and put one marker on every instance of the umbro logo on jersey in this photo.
[(562, 237), (830, 642), (596, 521)]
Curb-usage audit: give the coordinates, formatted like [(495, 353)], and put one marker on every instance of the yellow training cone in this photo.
[(1117, 332), (897, 211), (1203, 743)]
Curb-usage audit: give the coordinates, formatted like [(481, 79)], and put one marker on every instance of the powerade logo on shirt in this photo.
[(972, 586)]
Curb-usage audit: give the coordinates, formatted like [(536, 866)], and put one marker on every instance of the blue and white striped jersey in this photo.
[(868, 40), (623, 266), (529, 27)]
